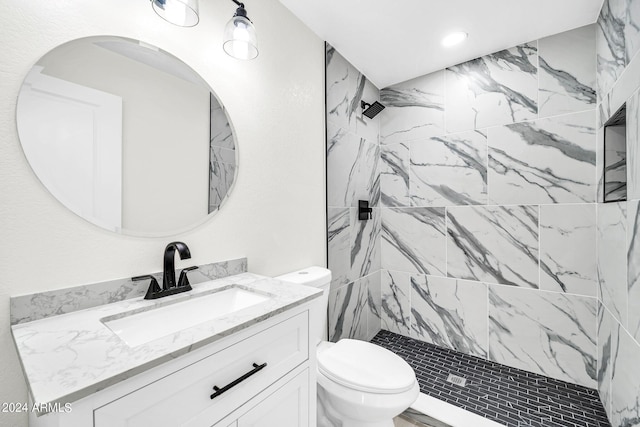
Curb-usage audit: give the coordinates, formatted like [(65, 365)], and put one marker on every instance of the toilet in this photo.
[(359, 384)]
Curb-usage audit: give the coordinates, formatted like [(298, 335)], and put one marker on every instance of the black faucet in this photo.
[(169, 286), (169, 272)]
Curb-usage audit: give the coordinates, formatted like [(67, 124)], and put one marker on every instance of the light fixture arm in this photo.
[(240, 11)]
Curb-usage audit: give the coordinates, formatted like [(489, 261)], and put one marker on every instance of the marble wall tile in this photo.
[(396, 304), (607, 346), (450, 313), (413, 240), (348, 312), (492, 90), (394, 175), (374, 304), (625, 382), (633, 268), (548, 333), (414, 109), (612, 258), (567, 75), (339, 246), (549, 160), (568, 249), (600, 165), (345, 86), (367, 128), (631, 29), (610, 44), (365, 243), (449, 170), (633, 146), (220, 134), (352, 168), (221, 177), (497, 244)]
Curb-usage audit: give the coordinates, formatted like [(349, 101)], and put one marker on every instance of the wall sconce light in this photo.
[(183, 13), (240, 39)]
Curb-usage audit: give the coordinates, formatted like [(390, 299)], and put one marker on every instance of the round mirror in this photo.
[(127, 136)]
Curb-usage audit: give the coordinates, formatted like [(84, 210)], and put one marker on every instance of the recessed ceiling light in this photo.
[(454, 38)]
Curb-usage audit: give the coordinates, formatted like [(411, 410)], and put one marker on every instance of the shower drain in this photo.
[(454, 379)]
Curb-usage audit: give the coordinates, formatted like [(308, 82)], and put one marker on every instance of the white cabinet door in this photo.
[(288, 406)]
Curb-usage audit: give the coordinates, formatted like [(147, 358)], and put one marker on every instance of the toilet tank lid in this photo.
[(310, 276)]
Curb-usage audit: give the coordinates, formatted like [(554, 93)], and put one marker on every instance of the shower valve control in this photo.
[(364, 211)]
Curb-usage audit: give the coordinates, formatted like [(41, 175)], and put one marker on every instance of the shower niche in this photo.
[(615, 157)]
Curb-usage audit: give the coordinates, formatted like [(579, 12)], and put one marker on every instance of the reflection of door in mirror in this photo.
[(87, 176)]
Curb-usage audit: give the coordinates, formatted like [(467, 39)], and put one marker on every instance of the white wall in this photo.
[(276, 214)]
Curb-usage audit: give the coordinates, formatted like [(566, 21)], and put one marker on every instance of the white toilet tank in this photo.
[(316, 277)]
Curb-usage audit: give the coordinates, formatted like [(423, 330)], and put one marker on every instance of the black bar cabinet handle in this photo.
[(218, 391)]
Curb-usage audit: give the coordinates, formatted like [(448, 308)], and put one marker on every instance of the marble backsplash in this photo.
[(25, 308)]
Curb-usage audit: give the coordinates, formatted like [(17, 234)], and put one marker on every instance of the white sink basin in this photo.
[(143, 327)]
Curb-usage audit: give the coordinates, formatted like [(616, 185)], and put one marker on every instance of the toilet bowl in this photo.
[(359, 384)]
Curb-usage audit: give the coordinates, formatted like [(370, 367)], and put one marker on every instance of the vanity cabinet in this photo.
[(271, 362)]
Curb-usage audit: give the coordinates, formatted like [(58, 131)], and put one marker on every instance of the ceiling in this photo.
[(393, 41)]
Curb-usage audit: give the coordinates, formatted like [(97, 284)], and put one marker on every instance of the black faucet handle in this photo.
[(154, 287), (184, 280)]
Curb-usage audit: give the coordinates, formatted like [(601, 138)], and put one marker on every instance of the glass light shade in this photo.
[(183, 13), (240, 39)]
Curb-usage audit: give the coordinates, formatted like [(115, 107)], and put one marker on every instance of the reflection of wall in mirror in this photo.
[(222, 156), (165, 136)]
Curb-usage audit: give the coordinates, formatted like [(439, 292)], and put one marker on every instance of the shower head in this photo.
[(371, 110)]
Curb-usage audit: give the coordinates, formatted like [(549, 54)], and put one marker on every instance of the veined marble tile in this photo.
[(396, 309), (220, 134), (394, 175), (633, 265), (549, 160), (567, 72), (492, 90), (625, 383), (497, 244), (547, 333), (339, 246), (633, 146), (631, 29), (221, 176), (449, 170), (413, 240), (367, 128), (450, 313), (345, 86), (414, 109), (612, 258), (610, 44), (352, 169), (568, 249), (365, 243), (348, 312), (600, 165), (374, 304), (607, 346)]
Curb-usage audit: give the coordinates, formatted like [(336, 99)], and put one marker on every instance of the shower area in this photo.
[(489, 243)]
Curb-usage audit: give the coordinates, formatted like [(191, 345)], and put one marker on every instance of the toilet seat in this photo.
[(362, 366)]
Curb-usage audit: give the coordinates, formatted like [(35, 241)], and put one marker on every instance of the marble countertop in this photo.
[(71, 356)]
